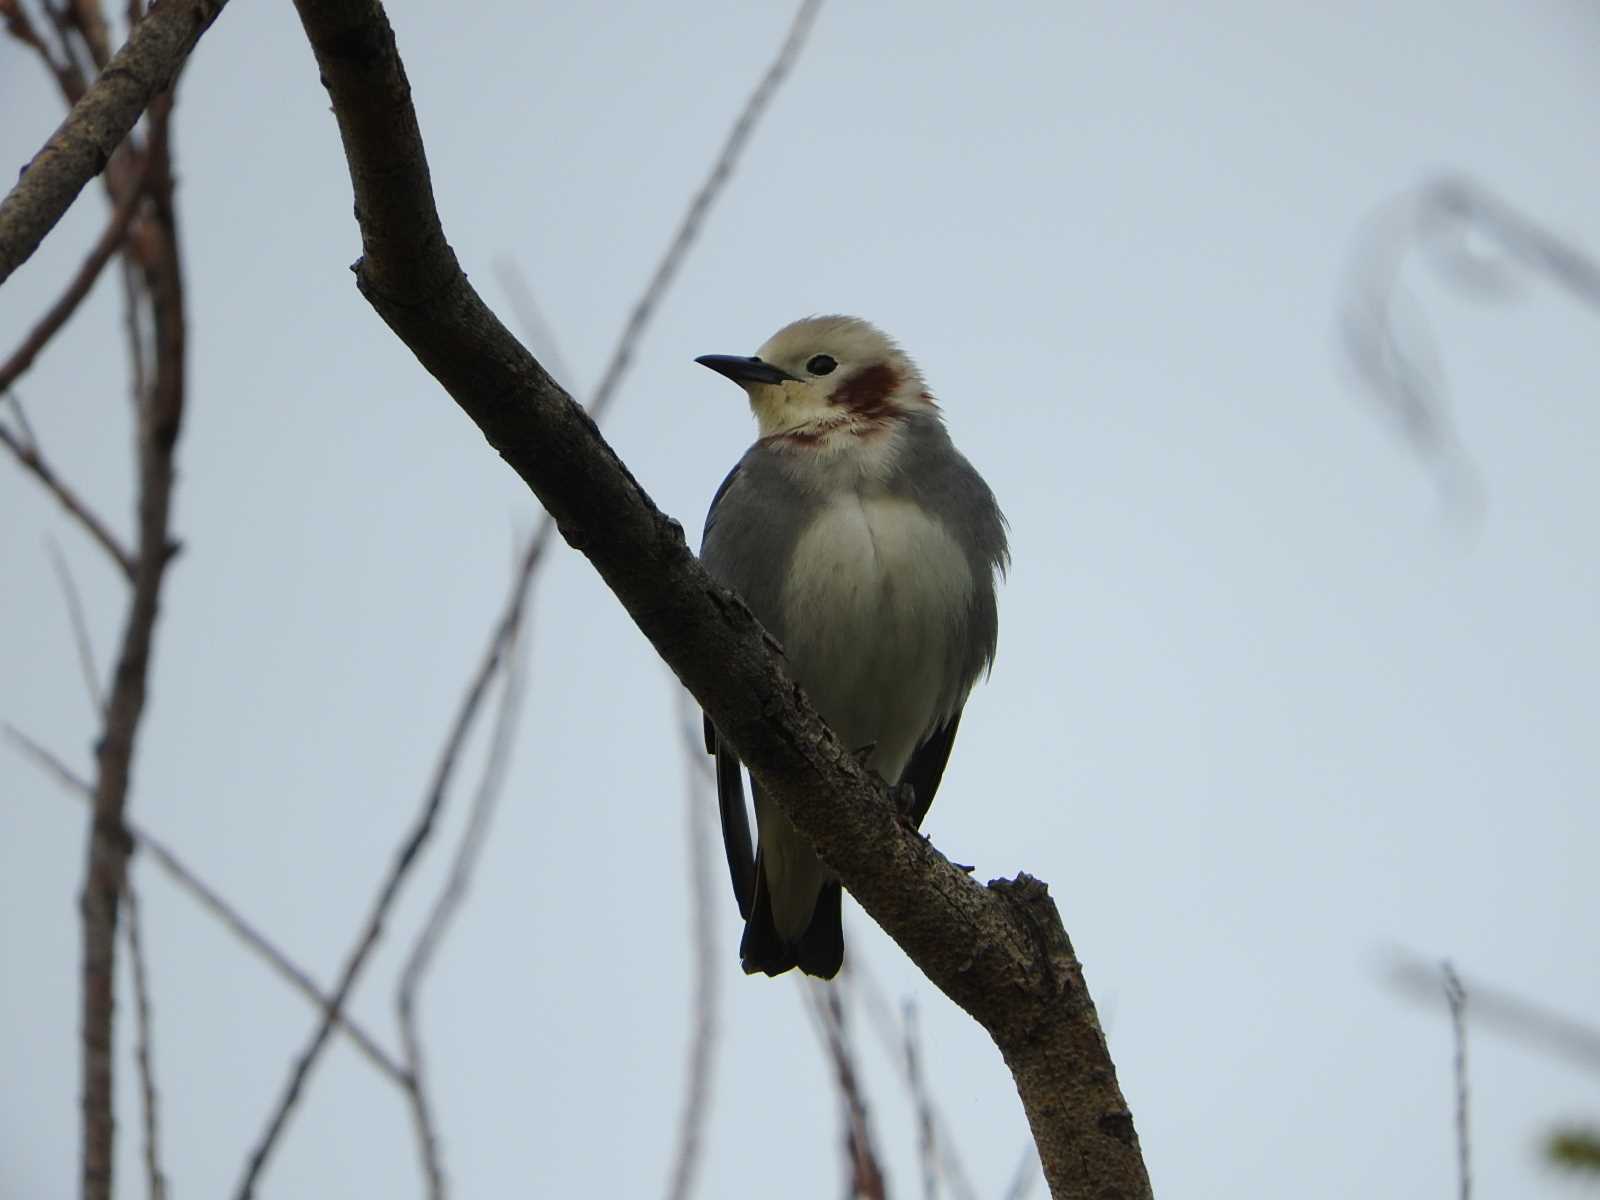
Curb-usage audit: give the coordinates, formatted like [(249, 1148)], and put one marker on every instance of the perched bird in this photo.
[(868, 546)]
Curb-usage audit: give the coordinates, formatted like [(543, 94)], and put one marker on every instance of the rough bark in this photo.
[(83, 144), (998, 951)]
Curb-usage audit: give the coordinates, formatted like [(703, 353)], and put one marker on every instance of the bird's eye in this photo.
[(821, 364)]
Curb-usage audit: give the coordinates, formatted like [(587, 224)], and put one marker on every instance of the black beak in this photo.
[(743, 370)]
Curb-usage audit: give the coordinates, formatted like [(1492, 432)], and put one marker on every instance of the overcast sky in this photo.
[(1263, 714)]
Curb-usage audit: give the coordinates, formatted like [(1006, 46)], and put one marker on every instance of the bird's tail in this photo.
[(818, 951)]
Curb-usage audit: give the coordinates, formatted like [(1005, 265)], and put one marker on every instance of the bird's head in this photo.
[(822, 375)]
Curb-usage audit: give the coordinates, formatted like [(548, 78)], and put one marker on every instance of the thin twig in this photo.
[(861, 982), (420, 833), (865, 1179), (82, 145), (106, 858), (155, 1177), (80, 627), (1027, 1174), (1456, 996), (31, 459), (706, 1001), (507, 643), (689, 228), (927, 1147), (1573, 1042), (66, 304), (212, 901), (67, 76)]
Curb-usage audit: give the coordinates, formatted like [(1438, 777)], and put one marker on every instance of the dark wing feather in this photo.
[(926, 767), (735, 822)]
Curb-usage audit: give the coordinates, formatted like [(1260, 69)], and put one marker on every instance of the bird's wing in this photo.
[(926, 767), (735, 821)]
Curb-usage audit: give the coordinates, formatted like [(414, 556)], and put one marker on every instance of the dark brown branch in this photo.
[(213, 902), (155, 1178), (58, 313), (83, 144), (67, 76), (29, 457), (1456, 997), (160, 420), (999, 951)]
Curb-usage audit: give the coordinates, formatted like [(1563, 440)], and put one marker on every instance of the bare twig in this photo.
[(1396, 368), (420, 833), (689, 228), (156, 1179), (506, 643), (66, 73), (865, 1179), (706, 1001), (860, 982), (57, 314), (212, 901), (1027, 1174), (80, 627), (32, 460), (927, 1147), (159, 424), (1571, 1041), (80, 148), (1456, 997)]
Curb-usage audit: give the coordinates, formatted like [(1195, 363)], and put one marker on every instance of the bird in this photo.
[(871, 549)]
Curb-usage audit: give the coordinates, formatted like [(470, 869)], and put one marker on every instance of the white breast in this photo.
[(874, 608)]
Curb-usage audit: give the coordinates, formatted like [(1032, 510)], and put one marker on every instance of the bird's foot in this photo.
[(864, 754), (904, 798)]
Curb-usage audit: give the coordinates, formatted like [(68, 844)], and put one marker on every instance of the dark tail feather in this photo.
[(820, 950)]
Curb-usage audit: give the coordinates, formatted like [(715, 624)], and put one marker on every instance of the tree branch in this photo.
[(213, 902), (999, 951), (58, 313), (80, 148), (28, 455)]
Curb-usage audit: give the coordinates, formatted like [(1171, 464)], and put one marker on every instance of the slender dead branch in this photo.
[(705, 1003), (865, 1178), (949, 1167), (213, 902), (1398, 366), (416, 839), (1456, 997), (155, 1178), (57, 314), (159, 424), (80, 628), (1000, 951), (1571, 1041), (28, 455), (1025, 1176), (505, 646), (86, 140), (689, 228), (927, 1145), (65, 71)]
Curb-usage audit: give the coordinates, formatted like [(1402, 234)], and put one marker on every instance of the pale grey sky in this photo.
[(1260, 715)]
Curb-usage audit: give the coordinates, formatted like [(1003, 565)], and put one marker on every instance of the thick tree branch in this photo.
[(998, 951), (83, 144)]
